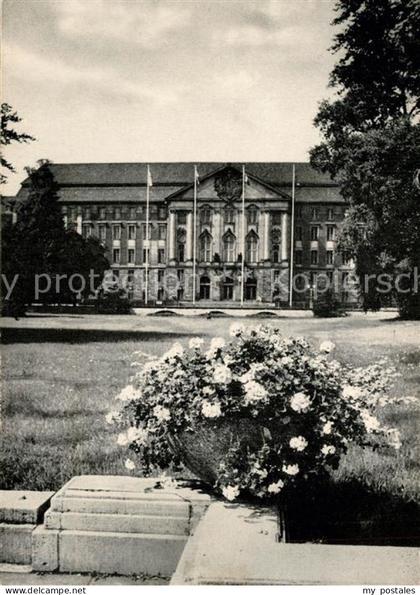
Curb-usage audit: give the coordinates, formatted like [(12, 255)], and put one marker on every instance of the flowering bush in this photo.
[(282, 413)]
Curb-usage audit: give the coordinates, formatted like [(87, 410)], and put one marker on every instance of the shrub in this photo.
[(113, 301), (327, 305), (259, 415)]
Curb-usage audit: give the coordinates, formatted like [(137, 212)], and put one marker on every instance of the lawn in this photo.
[(61, 374)]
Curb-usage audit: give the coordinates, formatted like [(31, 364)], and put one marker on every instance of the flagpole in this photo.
[(146, 261), (292, 230), (194, 233), (243, 237)]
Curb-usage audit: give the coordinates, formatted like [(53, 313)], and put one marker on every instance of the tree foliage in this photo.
[(39, 247), (9, 135), (371, 139)]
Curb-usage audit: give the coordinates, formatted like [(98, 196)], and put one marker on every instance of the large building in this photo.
[(109, 200)]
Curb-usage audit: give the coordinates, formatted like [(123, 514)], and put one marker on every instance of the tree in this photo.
[(10, 135), (371, 142), (38, 249)]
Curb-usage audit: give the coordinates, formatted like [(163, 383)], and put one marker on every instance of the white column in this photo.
[(171, 235), (266, 237), (188, 242), (284, 234)]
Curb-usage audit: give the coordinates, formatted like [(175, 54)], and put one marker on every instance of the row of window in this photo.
[(315, 232), (314, 257), (88, 230), (131, 256), (115, 213)]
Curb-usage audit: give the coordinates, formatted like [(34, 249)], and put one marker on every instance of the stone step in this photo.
[(120, 523), (15, 543), (136, 506), (106, 552)]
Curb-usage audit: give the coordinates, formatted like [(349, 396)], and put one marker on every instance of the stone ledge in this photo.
[(236, 545), (23, 506)]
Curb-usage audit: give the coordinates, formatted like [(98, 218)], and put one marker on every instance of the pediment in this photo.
[(224, 186)]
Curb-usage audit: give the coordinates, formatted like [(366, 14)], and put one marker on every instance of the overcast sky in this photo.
[(150, 80)]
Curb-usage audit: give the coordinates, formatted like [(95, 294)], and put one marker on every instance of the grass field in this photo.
[(61, 374)]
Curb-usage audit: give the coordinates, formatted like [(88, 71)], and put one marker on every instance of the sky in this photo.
[(165, 80)]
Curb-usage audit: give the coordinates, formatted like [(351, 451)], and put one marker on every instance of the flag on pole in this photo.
[(149, 178)]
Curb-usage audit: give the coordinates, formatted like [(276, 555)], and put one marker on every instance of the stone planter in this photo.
[(204, 447)]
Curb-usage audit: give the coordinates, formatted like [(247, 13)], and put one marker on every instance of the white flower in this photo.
[(298, 443), (217, 343), (129, 464), (209, 409), (129, 393), (274, 488), (254, 391), (236, 329), (327, 346), (370, 421), (222, 374), (175, 351), (122, 439), (230, 492), (139, 435), (328, 449), (327, 427), (352, 392), (300, 402), (195, 343), (161, 413), (291, 469), (208, 390), (151, 366), (112, 417)]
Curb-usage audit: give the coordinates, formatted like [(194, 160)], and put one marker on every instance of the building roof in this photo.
[(109, 182)]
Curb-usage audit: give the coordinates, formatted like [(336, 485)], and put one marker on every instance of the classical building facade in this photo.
[(109, 201)]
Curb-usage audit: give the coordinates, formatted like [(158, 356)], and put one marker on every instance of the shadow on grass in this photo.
[(352, 513), (52, 335)]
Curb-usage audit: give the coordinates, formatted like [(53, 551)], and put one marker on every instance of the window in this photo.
[(131, 232), (130, 256), (161, 275), (180, 275), (102, 232), (205, 215), (251, 248), (205, 247), (314, 232), (251, 289), (86, 230), (204, 288), (117, 213), (181, 252), (314, 256), (102, 213), (298, 257), (346, 258), (315, 213), (229, 247), (330, 257), (298, 233), (162, 231), (252, 215), (229, 216), (144, 228), (86, 213), (132, 212), (330, 214), (161, 255), (299, 211), (330, 233), (116, 255), (162, 213), (146, 255), (182, 217), (276, 218), (226, 287), (330, 277), (276, 252), (116, 232)]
